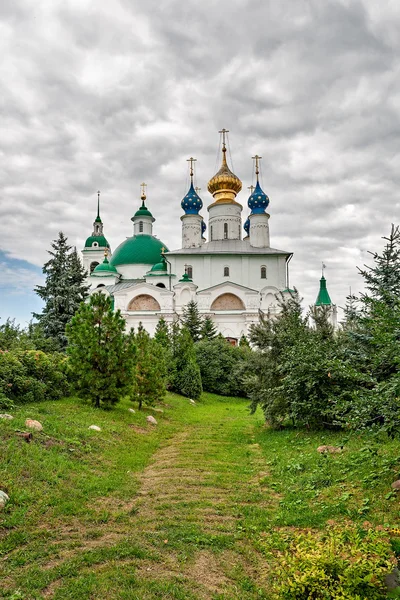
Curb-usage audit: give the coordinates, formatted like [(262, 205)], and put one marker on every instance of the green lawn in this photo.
[(191, 509)]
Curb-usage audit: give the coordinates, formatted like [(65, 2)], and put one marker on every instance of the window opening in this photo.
[(225, 231), (189, 271), (263, 272), (140, 226), (226, 271)]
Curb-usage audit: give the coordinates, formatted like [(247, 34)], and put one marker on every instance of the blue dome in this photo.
[(246, 226), (203, 227), (258, 200), (192, 202)]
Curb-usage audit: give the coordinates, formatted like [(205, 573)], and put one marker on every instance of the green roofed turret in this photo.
[(323, 298), (105, 269)]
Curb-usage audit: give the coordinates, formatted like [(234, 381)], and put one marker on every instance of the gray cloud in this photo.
[(105, 95)]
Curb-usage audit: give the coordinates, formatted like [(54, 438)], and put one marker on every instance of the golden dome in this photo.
[(225, 184)]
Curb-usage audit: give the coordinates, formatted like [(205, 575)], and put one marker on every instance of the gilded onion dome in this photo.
[(225, 185)]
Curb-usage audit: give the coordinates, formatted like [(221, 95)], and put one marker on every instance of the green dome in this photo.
[(142, 212), (105, 269), (100, 239), (161, 266), (139, 249)]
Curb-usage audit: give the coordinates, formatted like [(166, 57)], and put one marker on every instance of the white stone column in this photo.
[(191, 231), (225, 221)]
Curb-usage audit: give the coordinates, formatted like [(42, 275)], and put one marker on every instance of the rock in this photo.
[(5, 416), (192, 402), (151, 419), (329, 449), (132, 410), (396, 485), (32, 424), (392, 581), (3, 499), (95, 427), (159, 410)]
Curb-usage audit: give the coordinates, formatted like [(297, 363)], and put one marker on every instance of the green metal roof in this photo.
[(139, 249), (100, 239), (323, 294), (142, 212), (161, 266), (185, 279), (105, 269)]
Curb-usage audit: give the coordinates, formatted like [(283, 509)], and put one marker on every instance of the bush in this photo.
[(31, 375), (220, 364), (344, 563), (190, 380)]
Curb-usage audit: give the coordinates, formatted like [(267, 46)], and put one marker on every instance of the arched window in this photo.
[(225, 231), (93, 265), (160, 285), (100, 285), (263, 272), (140, 226), (226, 271), (189, 271), (95, 244), (211, 229)]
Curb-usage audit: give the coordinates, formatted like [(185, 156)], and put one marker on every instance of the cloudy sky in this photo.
[(105, 94)]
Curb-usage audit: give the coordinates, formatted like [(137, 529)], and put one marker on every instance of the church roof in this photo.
[(105, 269), (100, 239), (323, 298), (139, 249), (229, 247)]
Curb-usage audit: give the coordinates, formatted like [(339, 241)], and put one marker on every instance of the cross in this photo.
[(223, 131), (143, 186), (251, 188), (257, 158), (197, 189), (162, 250), (98, 204), (192, 161)]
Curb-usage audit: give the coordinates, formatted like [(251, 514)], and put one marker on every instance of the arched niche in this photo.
[(143, 302), (227, 302), (185, 296)]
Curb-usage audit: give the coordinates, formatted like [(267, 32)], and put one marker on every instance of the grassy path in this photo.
[(187, 510)]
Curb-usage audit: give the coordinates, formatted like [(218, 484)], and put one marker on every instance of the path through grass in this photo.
[(185, 510)]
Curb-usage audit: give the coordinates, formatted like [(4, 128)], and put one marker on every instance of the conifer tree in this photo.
[(101, 355), (150, 370), (187, 377), (192, 320), (208, 330), (162, 335), (244, 342), (63, 291)]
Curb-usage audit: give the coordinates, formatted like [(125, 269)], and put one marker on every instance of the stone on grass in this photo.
[(95, 427), (32, 424), (3, 499), (159, 410), (151, 419), (330, 449), (132, 410), (192, 402), (396, 485), (392, 580), (5, 416)]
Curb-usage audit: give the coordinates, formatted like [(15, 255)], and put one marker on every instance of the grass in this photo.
[(189, 509)]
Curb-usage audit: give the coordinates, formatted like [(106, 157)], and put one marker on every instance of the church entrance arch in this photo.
[(227, 302), (143, 302)]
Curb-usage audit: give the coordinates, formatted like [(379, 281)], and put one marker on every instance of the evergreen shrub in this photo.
[(221, 365), (343, 563)]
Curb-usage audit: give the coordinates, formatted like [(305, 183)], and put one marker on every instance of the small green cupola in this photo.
[(143, 219), (185, 278), (105, 269), (323, 298)]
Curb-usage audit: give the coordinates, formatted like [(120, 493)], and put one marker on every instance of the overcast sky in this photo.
[(105, 94)]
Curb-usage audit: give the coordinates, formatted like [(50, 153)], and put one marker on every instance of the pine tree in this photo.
[(150, 369), (63, 291), (192, 320), (208, 330), (244, 342), (162, 335), (187, 377), (101, 355)]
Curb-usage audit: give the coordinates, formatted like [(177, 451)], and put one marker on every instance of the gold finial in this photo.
[(191, 160), (251, 188), (225, 185), (162, 250), (224, 132), (143, 190), (105, 252), (257, 158)]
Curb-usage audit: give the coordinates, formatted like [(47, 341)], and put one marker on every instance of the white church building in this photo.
[(231, 276)]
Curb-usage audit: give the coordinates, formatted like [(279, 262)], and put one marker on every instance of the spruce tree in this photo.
[(150, 374), (192, 320), (187, 377), (208, 330), (162, 335), (101, 355), (244, 342), (63, 291)]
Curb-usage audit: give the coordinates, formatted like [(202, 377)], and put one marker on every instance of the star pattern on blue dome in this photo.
[(192, 203), (246, 226), (258, 201), (203, 227)]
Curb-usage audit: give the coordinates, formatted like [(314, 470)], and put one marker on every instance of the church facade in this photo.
[(232, 275)]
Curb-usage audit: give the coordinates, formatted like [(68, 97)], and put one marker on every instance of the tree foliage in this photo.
[(192, 320), (101, 355), (221, 366), (208, 329), (63, 291), (149, 376)]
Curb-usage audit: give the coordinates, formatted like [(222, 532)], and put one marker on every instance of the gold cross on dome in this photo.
[(251, 188), (192, 161), (224, 132), (143, 190), (162, 250)]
